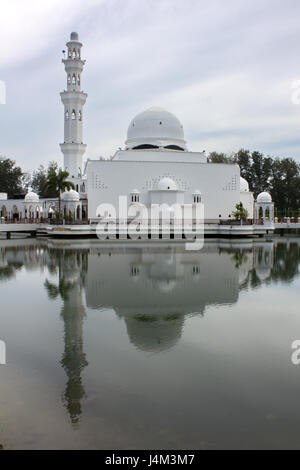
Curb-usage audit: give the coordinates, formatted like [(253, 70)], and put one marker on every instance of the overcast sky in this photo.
[(225, 69)]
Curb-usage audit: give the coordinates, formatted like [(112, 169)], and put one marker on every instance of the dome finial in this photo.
[(74, 36)]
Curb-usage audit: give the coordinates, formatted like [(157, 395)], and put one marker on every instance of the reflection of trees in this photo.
[(283, 267), (239, 259), (286, 262), (9, 271)]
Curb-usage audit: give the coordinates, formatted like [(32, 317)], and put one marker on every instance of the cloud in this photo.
[(225, 70)]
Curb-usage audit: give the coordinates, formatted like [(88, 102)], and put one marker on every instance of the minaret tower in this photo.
[(73, 100)]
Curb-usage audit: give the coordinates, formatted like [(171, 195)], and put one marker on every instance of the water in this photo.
[(140, 346)]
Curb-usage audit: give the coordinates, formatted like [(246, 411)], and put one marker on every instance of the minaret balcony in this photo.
[(73, 97), (73, 63)]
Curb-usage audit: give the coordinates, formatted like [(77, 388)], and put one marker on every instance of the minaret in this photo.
[(73, 100)]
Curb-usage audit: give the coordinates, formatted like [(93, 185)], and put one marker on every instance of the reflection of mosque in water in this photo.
[(151, 289)]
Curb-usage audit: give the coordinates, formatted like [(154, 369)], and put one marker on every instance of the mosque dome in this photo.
[(167, 184), (32, 197), (244, 185), (264, 197), (70, 196), (155, 128), (154, 333)]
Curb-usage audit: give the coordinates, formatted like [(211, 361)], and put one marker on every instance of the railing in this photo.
[(66, 222), (176, 222), (21, 221), (286, 220), (42, 220), (238, 222)]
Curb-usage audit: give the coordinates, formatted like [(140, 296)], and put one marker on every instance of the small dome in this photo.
[(135, 191), (244, 185), (167, 184), (264, 197), (197, 192), (155, 128), (32, 197), (70, 196)]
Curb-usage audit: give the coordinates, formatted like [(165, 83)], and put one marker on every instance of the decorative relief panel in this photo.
[(231, 185), (153, 182), (96, 182)]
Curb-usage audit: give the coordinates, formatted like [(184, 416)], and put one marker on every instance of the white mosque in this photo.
[(155, 167)]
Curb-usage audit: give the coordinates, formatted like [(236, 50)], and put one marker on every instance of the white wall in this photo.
[(219, 184), (247, 200)]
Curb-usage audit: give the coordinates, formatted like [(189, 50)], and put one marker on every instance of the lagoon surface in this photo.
[(149, 346)]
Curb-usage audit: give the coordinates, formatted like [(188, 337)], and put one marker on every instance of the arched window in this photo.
[(67, 115), (69, 79), (174, 147), (74, 55), (73, 79), (78, 80), (79, 116), (145, 147), (196, 269), (77, 188), (73, 114), (69, 53), (3, 211), (197, 197), (134, 271)]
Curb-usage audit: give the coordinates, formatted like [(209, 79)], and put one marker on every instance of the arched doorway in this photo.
[(15, 213), (3, 211), (267, 214)]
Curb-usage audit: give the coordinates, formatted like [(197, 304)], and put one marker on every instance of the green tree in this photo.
[(285, 184), (57, 183), (243, 159), (11, 181), (215, 157), (240, 213), (40, 180)]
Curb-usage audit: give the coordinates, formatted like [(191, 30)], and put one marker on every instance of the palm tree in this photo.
[(57, 183)]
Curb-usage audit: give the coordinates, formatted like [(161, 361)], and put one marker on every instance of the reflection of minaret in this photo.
[(72, 265), (74, 359)]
